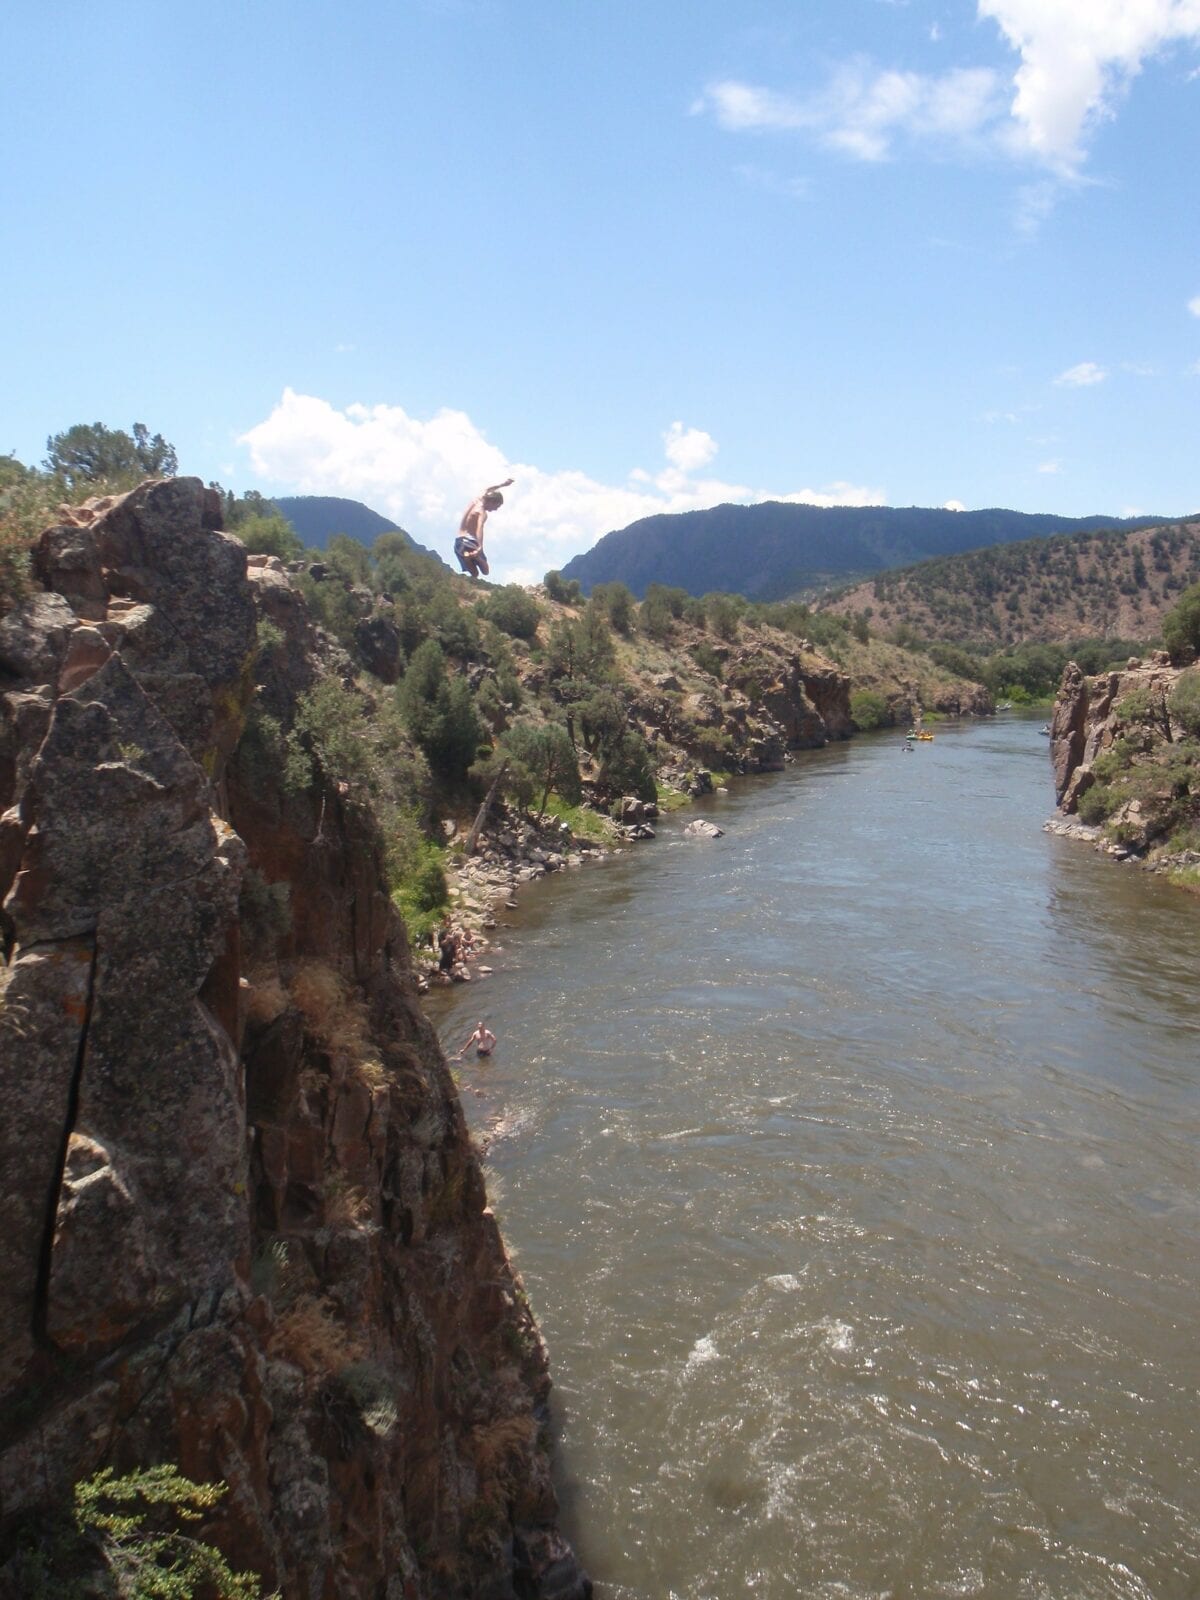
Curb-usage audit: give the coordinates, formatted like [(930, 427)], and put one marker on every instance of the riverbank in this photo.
[(513, 852)]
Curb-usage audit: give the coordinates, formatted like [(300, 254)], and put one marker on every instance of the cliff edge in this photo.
[(245, 1228)]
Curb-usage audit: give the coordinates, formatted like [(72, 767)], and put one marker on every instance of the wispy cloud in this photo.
[(863, 110), (773, 182), (423, 472), (1050, 468), (1076, 59), (1194, 305), (1081, 376)]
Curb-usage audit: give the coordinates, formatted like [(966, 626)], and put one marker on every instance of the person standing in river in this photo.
[(468, 547), (483, 1039)]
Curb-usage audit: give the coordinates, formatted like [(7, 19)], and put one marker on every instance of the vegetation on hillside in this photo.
[(1048, 591)]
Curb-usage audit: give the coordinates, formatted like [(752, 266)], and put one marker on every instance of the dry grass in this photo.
[(335, 1014), (501, 1449), (266, 999), (310, 1337), (345, 1206)]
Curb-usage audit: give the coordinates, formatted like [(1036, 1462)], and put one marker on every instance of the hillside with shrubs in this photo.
[(438, 692), (1113, 584)]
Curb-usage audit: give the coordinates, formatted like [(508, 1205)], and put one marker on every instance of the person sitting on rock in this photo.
[(483, 1039), (468, 547)]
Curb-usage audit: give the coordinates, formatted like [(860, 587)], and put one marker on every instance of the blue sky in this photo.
[(640, 256)]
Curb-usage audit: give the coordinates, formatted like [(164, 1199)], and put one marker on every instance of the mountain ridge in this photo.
[(776, 549)]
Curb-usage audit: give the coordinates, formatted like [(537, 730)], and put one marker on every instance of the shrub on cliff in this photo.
[(1097, 803), (269, 534), (512, 610), (869, 710), (131, 1538)]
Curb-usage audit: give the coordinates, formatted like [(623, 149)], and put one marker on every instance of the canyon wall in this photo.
[(245, 1228)]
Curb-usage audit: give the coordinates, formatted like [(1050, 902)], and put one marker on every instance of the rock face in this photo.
[(244, 1227), (1127, 762), (1087, 719)]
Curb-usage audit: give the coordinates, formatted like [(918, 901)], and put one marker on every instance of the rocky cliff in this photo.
[(245, 1228), (1126, 759)]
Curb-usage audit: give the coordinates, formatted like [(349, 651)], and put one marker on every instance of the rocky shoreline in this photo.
[(511, 853)]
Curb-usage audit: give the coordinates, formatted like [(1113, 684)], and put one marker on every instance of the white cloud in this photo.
[(423, 473), (688, 448), (1194, 305), (1049, 468), (1080, 376), (863, 109), (954, 505), (1077, 57)]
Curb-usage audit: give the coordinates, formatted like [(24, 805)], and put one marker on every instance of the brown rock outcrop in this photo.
[(1087, 718), (245, 1229)]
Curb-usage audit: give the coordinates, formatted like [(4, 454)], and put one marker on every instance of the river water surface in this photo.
[(850, 1164)]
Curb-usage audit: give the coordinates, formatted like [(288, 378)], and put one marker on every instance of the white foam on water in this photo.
[(703, 1351), (838, 1335), (784, 1280)]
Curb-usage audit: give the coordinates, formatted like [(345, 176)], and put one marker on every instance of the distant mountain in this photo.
[(1111, 585), (776, 550), (317, 517)]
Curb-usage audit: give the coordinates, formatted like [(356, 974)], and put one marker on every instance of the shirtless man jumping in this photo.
[(468, 547)]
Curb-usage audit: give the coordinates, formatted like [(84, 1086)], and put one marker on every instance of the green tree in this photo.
[(723, 614), (513, 610), (660, 610), (392, 554), (563, 591), (350, 559), (869, 710), (269, 534), (1181, 625), (439, 713), (544, 750), (90, 453), (1184, 703), (615, 600), (133, 1538)]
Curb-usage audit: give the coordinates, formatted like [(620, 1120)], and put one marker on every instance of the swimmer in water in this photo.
[(483, 1039)]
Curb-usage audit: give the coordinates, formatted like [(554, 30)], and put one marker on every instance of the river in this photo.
[(850, 1164)]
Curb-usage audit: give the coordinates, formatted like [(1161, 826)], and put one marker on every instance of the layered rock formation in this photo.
[(245, 1229)]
